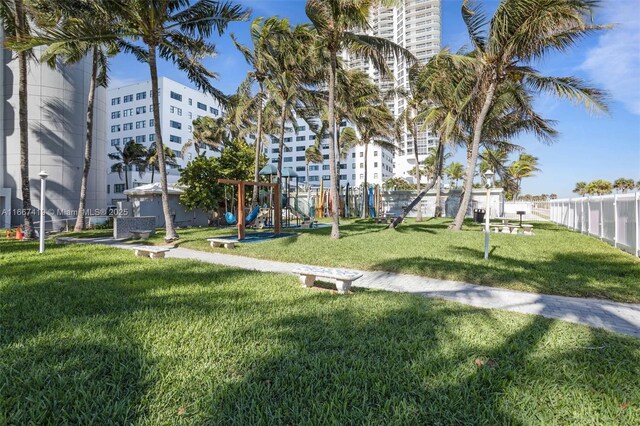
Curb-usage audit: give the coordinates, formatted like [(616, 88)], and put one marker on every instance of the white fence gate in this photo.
[(612, 218)]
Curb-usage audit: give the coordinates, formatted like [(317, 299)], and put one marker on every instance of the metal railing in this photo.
[(612, 218)]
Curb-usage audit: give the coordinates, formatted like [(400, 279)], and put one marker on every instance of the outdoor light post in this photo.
[(488, 183), (43, 178)]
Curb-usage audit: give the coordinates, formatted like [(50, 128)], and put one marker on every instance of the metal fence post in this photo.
[(589, 214), (615, 220), (637, 206), (601, 219)]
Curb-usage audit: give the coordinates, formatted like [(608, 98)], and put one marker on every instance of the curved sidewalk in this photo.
[(619, 317)]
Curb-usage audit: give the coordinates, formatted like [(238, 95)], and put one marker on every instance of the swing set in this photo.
[(241, 219)]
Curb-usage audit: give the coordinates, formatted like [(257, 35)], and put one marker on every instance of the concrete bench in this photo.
[(343, 278), (140, 233), (224, 242), (528, 229), (154, 252)]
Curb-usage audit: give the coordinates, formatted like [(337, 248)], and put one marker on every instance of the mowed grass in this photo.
[(554, 261), (94, 335)]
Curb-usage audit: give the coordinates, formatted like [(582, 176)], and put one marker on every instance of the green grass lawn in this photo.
[(554, 261), (94, 335)]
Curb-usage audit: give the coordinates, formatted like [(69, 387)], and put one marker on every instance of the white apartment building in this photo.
[(414, 25), (130, 117)]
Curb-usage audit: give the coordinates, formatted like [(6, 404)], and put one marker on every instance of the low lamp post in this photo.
[(488, 184), (43, 179)]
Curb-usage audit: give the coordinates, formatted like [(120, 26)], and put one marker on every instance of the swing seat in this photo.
[(230, 218)]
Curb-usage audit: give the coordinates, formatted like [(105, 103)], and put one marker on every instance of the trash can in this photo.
[(478, 215)]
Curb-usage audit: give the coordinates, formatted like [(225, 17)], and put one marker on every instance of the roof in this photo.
[(153, 189)]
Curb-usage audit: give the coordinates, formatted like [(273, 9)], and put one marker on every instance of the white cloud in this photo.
[(614, 64)]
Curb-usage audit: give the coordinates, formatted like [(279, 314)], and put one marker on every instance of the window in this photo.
[(274, 150), (213, 111), (152, 137), (314, 168), (108, 189), (301, 179), (189, 128), (288, 159), (353, 165), (312, 137), (152, 122), (141, 139), (361, 176), (343, 166), (300, 138), (361, 165), (175, 124), (325, 156), (176, 96), (353, 155), (314, 178), (300, 148), (190, 101), (274, 160), (127, 112), (141, 95), (115, 101), (375, 153), (189, 115), (128, 98), (343, 177), (300, 158), (201, 106), (141, 124), (151, 108), (300, 169), (127, 139), (325, 177), (375, 164), (353, 176), (361, 154), (375, 176), (287, 140), (178, 154), (115, 114), (115, 128), (325, 167), (175, 110), (115, 142), (301, 128), (127, 126), (175, 139), (142, 109), (118, 188)]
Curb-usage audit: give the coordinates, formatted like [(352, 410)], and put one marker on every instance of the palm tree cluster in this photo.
[(604, 187)]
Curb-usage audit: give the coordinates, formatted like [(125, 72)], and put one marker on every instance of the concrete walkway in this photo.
[(619, 317)]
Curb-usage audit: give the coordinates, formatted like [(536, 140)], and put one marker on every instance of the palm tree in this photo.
[(151, 159), (580, 188), (312, 155), (518, 33), (208, 132), (176, 31), (599, 187), (15, 24), (131, 155), (455, 172), (266, 37), (623, 184), (525, 166), (73, 51), (337, 23), (374, 129), (432, 168)]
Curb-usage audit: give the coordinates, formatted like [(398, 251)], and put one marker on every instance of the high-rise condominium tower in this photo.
[(414, 25)]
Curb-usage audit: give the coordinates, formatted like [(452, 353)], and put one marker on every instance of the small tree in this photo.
[(580, 188), (151, 159), (200, 179), (623, 184), (599, 187), (455, 172), (131, 155)]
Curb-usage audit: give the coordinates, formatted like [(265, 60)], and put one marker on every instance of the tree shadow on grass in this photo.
[(413, 365)]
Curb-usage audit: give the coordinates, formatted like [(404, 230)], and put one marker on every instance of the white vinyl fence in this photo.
[(612, 218)]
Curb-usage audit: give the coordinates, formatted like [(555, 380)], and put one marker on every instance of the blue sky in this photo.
[(590, 146)]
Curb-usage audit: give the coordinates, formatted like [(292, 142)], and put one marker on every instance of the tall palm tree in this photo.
[(266, 37), (131, 155), (151, 159), (338, 23), (518, 33), (455, 172), (173, 30), (431, 168), (72, 12), (208, 132), (16, 25), (376, 129), (623, 184), (580, 188)]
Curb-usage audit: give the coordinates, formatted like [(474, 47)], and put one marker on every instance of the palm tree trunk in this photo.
[(88, 145), (439, 164), (23, 117), (258, 147), (473, 158), (365, 205), (338, 154), (307, 173), (397, 221), (283, 119), (170, 232), (153, 172), (415, 153), (335, 222)]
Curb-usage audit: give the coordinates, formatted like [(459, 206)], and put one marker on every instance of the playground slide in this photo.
[(299, 213)]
